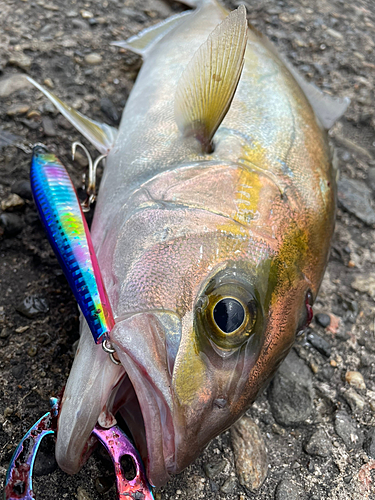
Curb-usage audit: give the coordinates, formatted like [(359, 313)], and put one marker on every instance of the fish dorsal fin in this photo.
[(101, 135), (144, 41), (328, 109), (207, 85)]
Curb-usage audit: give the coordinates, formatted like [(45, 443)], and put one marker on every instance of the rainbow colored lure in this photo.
[(60, 211)]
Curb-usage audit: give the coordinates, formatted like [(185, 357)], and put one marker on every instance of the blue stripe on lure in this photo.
[(61, 214)]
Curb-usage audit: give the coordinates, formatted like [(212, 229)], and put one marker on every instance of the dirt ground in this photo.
[(329, 451)]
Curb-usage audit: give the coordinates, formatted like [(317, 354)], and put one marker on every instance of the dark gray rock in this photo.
[(109, 109), (229, 486), (355, 197), (11, 223), (212, 469), (345, 428), (49, 127), (289, 490), (33, 305), (319, 444), (320, 344), (18, 371), (323, 319), (23, 189), (291, 392)]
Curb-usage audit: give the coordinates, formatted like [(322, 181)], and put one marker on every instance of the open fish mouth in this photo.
[(149, 419), (97, 389)]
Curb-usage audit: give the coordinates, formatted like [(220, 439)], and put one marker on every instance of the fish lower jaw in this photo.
[(148, 417)]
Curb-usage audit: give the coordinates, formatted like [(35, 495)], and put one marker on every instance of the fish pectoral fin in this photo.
[(208, 84), (144, 41), (101, 135)]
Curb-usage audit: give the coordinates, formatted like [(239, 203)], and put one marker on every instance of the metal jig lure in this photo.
[(62, 216)]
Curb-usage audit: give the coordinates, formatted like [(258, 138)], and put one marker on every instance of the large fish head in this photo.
[(207, 305)]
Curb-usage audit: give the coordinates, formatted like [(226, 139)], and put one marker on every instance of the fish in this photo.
[(212, 231)]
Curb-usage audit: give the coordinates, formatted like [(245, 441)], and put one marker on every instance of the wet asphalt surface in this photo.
[(317, 419)]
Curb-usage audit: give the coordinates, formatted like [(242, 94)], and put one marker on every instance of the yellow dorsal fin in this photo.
[(207, 85)]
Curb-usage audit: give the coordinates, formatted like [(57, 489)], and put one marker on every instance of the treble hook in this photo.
[(91, 187)]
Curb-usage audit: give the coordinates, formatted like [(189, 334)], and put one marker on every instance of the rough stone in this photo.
[(289, 490), (12, 224), (355, 197), (320, 344), (319, 444), (21, 60), (212, 469), (354, 400), (229, 485), (344, 427), (322, 319), (12, 84), (18, 109), (93, 58), (23, 189), (12, 202), (250, 453), (32, 306), (365, 283), (355, 379), (49, 127), (291, 392), (371, 443)]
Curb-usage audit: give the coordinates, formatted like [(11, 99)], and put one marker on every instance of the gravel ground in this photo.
[(317, 418)]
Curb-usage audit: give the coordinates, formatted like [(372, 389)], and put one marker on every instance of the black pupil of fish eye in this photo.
[(229, 315)]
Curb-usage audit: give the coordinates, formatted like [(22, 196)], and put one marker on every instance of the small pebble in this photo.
[(23, 189), (320, 344), (319, 444), (229, 486), (86, 14), (109, 109), (4, 333), (12, 202), (11, 84), (214, 468), (346, 429), (93, 58), (49, 127), (18, 109), (82, 494), (49, 83), (355, 379), (21, 60), (354, 400), (11, 223), (32, 306), (323, 319), (32, 351), (18, 371), (371, 443), (289, 490)]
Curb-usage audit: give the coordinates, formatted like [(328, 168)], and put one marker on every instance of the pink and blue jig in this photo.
[(69, 236)]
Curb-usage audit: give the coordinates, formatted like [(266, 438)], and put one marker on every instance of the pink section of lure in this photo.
[(69, 236)]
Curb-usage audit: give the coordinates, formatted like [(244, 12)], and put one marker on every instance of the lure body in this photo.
[(67, 231), (178, 230)]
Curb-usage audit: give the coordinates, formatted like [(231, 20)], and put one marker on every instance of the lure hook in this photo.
[(91, 186)]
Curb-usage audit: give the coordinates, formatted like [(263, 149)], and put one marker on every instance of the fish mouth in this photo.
[(149, 419)]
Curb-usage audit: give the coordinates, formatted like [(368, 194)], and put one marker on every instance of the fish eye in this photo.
[(229, 314)]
